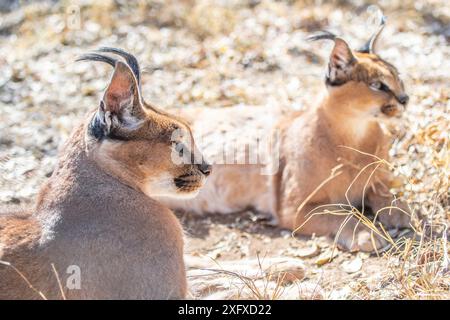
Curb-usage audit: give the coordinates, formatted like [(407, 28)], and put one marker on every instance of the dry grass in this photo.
[(24, 278), (419, 263), (419, 269), (263, 279), (31, 286)]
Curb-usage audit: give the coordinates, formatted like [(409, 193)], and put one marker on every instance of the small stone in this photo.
[(352, 266), (287, 272), (286, 234), (308, 252)]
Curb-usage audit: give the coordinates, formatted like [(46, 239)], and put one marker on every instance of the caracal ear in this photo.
[(121, 109), (341, 62), (341, 56), (122, 98)]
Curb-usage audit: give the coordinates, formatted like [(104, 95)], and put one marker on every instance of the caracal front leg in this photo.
[(392, 213), (350, 233)]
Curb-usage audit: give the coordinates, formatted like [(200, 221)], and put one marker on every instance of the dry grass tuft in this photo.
[(419, 268), (418, 263)]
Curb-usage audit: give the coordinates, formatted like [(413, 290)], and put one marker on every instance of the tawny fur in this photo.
[(311, 144), (96, 211)]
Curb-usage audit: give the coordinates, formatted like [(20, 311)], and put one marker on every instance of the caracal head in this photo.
[(361, 80), (142, 146)]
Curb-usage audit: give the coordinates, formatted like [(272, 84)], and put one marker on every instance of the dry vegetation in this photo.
[(224, 53)]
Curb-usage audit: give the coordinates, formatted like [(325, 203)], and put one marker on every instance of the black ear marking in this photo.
[(97, 126)]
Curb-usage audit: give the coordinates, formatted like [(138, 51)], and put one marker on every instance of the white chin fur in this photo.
[(175, 195), (164, 186), (183, 195)]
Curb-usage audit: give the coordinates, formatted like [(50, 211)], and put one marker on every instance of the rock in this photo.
[(286, 234), (307, 290), (340, 294), (352, 266), (308, 252), (287, 272)]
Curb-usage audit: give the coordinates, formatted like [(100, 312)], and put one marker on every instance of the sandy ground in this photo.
[(224, 250), (216, 54)]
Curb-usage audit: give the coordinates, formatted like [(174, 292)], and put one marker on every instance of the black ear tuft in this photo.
[(97, 57), (96, 128), (322, 35), (129, 58), (369, 46)]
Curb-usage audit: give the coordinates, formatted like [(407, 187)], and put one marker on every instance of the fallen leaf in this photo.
[(327, 257)]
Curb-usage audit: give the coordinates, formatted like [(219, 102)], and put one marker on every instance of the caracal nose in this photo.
[(403, 99), (205, 168)]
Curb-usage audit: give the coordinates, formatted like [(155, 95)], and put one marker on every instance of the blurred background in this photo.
[(216, 54), (197, 53)]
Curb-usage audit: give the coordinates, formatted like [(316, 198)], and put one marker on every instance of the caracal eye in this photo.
[(376, 85)]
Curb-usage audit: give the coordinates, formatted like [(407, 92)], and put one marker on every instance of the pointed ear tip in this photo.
[(121, 68), (120, 65), (338, 41)]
